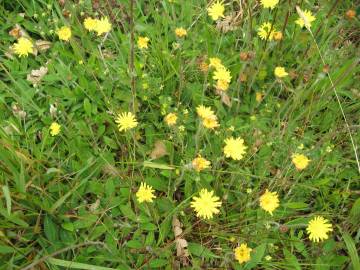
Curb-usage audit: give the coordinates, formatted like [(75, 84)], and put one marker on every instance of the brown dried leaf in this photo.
[(181, 243), (224, 97), (36, 75), (18, 32), (229, 23), (42, 45), (159, 150)]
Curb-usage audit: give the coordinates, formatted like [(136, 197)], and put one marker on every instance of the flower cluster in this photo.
[(100, 26), (221, 74), (207, 116)]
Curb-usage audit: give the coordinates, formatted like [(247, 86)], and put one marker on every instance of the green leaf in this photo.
[(351, 250), (295, 205), (134, 244), (76, 265), (291, 260), (256, 256), (50, 229), (6, 192), (201, 251), (128, 212), (87, 106), (158, 263), (6, 249), (149, 164)]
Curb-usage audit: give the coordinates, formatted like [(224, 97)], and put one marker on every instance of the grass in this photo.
[(68, 201)]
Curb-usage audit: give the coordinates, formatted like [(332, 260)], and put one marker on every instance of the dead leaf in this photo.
[(18, 32), (36, 75), (159, 150), (181, 243), (224, 97), (94, 206), (229, 23), (42, 45)]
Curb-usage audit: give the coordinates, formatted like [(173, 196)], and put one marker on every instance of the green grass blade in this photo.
[(76, 265)]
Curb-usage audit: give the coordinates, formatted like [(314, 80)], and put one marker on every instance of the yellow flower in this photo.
[(216, 10), (23, 47), (242, 253), (318, 229), (269, 3), (280, 72), (64, 33), (222, 74), (206, 205), (216, 63), (170, 119), (90, 24), (180, 32), (259, 96), (126, 121), (145, 193), (269, 201), (278, 35), (309, 18), (200, 163), (264, 31), (210, 122), (300, 161), (204, 112), (54, 129), (143, 42), (222, 85), (102, 26), (234, 148)]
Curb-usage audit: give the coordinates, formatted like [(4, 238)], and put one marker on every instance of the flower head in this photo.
[(269, 3), (210, 122), (200, 163), (222, 74), (234, 148), (204, 112), (300, 161), (306, 19), (216, 10), (269, 201), (23, 47), (126, 121), (145, 193), (54, 129), (242, 253), (278, 35), (143, 42), (180, 32), (222, 85), (280, 72), (206, 205), (170, 119), (259, 96), (265, 31), (64, 33), (90, 23), (216, 63), (102, 26), (318, 229)]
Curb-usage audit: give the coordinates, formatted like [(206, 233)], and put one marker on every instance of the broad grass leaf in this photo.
[(6, 192), (256, 256), (156, 263), (135, 244), (201, 251), (50, 229), (352, 251), (128, 212), (291, 260)]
